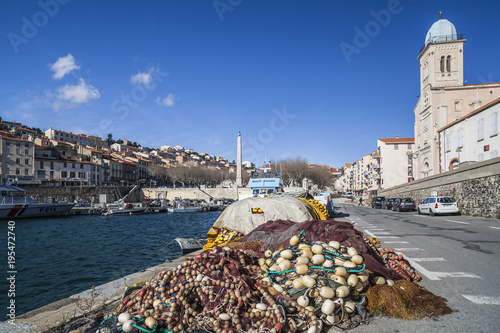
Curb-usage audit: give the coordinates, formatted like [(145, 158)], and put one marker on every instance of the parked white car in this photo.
[(438, 205)]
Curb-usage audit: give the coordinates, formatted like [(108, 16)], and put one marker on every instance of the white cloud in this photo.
[(71, 95), (63, 66), (141, 78), (167, 101)]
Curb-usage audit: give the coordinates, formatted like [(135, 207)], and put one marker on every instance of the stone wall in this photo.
[(71, 193), (192, 193), (475, 187), (200, 193)]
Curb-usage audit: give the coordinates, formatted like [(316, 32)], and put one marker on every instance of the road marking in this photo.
[(369, 233), (458, 274), (437, 275), (371, 229), (408, 249), (396, 242), (385, 237), (495, 227), (428, 259), (483, 299), (457, 222)]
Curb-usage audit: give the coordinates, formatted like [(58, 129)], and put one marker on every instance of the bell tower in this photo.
[(441, 65), (441, 57)]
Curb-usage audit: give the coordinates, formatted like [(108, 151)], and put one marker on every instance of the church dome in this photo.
[(442, 30)]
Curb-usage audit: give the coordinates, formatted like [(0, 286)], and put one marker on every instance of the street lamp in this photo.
[(412, 155)]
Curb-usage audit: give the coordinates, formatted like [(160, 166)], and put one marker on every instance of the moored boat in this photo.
[(125, 209), (184, 209), (184, 206), (191, 244), (15, 203)]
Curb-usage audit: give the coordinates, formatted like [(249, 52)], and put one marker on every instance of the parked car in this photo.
[(348, 195), (438, 205), (377, 202), (403, 204), (387, 204)]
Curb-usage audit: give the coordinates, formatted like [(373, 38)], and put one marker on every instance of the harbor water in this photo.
[(61, 256)]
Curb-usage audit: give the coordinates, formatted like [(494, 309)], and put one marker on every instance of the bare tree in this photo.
[(292, 170), (321, 176)]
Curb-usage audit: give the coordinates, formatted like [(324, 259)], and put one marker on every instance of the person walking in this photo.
[(360, 201)]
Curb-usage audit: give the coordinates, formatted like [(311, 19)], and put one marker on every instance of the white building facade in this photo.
[(396, 161), (480, 127)]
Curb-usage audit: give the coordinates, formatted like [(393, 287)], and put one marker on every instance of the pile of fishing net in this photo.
[(275, 235), (405, 300), (219, 291)]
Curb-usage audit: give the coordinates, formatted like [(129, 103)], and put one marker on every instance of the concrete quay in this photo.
[(84, 310)]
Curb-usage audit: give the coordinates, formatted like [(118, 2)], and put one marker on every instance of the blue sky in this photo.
[(194, 73)]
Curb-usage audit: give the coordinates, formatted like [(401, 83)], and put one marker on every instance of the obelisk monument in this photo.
[(239, 181)]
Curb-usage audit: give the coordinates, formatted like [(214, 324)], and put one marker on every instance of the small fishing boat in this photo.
[(184, 206), (14, 203), (191, 244), (184, 209), (125, 209)]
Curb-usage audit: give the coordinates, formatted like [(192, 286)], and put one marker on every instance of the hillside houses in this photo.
[(61, 158)]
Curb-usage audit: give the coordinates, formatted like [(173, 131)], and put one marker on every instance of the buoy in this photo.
[(150, 322), (124, 317), (127, 326), (317, 249), (318, 259), (328, 307), (294, 240), (327, 292), (357, 259), (308, 281), (303, 301), (334, 244), (342, 291), (302, 260), (301, 269), (287, 254)]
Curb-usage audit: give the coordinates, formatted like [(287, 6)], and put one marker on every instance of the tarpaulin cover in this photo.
[(276, 234), (239, 216)]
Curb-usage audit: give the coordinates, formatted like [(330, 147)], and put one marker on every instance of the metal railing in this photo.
[(442, 38)]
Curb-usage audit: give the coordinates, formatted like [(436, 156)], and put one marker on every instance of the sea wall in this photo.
[(135, 193), (200, 193), (88, 193), (475, 187), (194, 193)]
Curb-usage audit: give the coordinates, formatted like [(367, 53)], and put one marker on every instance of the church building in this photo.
[(444, 98)]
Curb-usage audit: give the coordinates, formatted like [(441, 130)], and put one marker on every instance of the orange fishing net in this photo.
[(405, 300)]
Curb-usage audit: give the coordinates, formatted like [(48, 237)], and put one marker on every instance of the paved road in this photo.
[(457, 257)]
